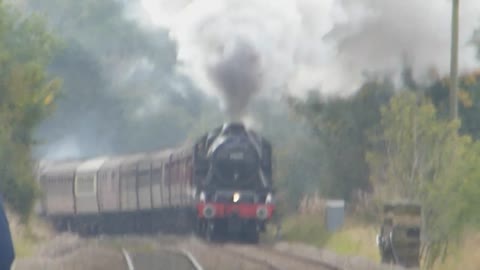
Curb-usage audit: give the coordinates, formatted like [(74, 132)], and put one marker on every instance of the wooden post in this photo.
[(454, 61)]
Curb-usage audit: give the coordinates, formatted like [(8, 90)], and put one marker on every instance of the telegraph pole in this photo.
[(454, 62)]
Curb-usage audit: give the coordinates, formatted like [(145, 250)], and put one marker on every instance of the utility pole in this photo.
[(454, 62)]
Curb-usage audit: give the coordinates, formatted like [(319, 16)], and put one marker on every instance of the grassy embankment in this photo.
[(27, 237), (358, 239), (352, 240)]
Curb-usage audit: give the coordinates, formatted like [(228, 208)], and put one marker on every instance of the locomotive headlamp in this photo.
[(236, 197), (269, 198), (202, 196)]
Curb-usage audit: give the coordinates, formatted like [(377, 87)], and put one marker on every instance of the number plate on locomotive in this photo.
[(236, 156)]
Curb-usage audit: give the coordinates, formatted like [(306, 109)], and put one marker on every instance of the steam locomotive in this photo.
[(219, 186)]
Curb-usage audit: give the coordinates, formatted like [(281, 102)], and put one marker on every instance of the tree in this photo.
[(421, 157), (341, 125), (469, 101), (26, 97)]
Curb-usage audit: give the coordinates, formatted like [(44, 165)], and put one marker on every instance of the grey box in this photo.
[(334, 215)]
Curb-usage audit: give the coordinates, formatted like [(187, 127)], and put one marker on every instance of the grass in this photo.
[(351, 240), (132, 245), (24, 246), (354, 241), (307, 229), (465, 256), (357, 239), (27, 237)]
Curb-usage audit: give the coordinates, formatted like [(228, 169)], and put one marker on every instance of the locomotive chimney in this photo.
[(233, 128)]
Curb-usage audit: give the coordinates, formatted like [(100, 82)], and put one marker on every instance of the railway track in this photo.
[(276, 260), (168, 259), (323, 264), (255, 257), (261, 262), (128, 259)]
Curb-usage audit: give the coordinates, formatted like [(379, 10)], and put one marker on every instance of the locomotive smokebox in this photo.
[(234, 158)]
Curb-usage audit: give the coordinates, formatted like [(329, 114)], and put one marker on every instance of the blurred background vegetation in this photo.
[(80, 79)]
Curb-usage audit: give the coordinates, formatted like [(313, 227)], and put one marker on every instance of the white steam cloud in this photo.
[(239, 48)]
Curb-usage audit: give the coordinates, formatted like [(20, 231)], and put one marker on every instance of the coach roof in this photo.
[(91, 165)]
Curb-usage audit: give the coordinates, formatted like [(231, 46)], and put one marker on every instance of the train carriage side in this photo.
[(87, 215), (85, 186), (181, 173), (144, 183), (121, 194), (160, 183), (56, 182), (118, 194), (178, 175), (109, 186), (129, 200)]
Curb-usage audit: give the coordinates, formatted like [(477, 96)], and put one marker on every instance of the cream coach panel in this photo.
[(86, 186), (56, 181), (108, 186)]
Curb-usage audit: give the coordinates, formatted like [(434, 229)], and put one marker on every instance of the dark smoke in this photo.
[(238, 77)]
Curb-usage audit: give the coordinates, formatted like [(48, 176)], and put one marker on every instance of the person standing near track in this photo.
[(7, 253)]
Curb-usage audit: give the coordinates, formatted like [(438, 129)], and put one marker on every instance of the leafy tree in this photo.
[(26, 97), (299, 165), (340, 125), (469, 101), (421, 157)]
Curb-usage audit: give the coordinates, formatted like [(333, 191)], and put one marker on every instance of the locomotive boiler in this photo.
[(220, 186)]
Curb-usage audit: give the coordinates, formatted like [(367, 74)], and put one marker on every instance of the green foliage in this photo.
[(26, 96), (340, 125), (469, 101), (421, 157), (412, 149), (298, 163), (354, 241), (403, 146)]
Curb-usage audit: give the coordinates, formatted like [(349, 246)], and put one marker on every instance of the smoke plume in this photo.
[(237, 76), (375, 35), (238, 48)]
